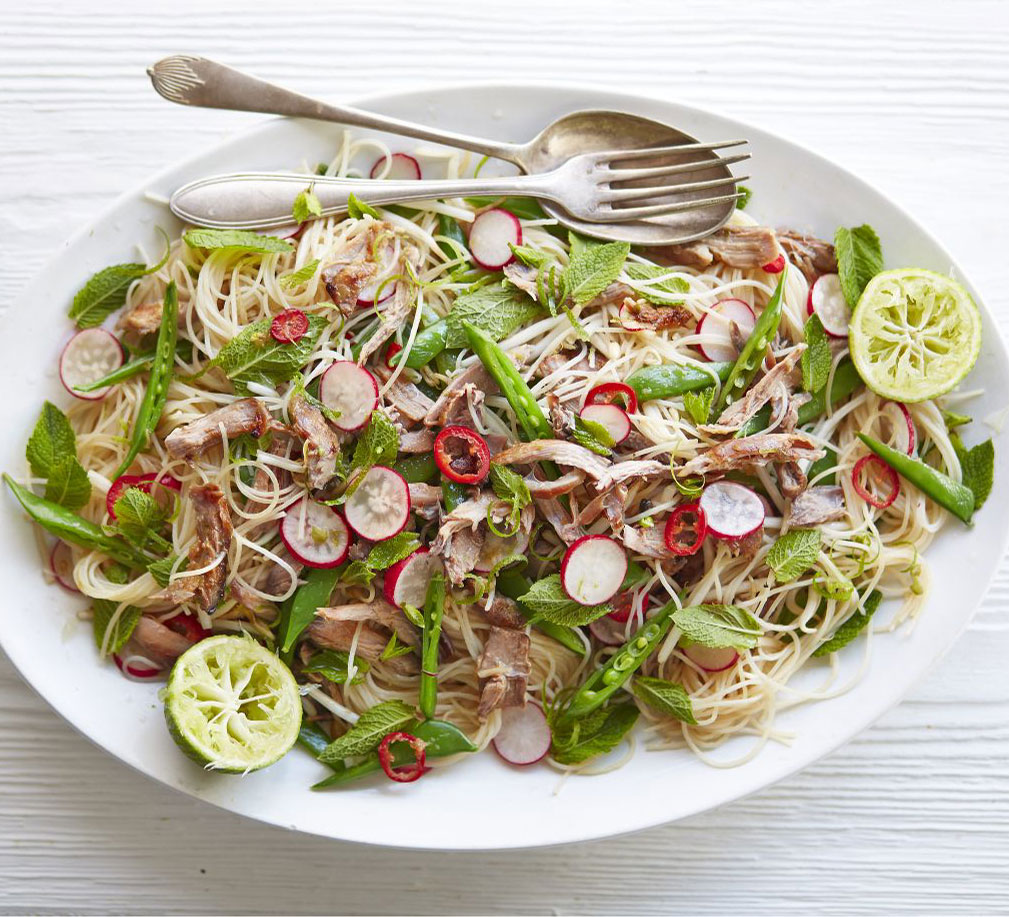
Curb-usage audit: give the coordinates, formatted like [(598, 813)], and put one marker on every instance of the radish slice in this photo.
[(134, 671), (61, 562), (379, 507), (315, 534), (593, 569), (491, 237), (827, 301), (406, 581), (524, 737), (495, 549), (711, 660), (613, 417), (402, 168), (282, 232), (716, 325), (351, 390), (89, 355), (387, 267), (731, 510)]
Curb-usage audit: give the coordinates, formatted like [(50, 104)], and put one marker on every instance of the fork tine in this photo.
[(626, 214), (653, 151), (679, 168), (616, 195)]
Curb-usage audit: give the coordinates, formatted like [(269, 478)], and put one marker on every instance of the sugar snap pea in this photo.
[(74, 529), (606, 681), (752, 355), (672, 379), (156, 393)]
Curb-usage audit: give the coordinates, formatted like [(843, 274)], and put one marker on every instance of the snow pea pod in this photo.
[(957, 498), (671, 379), (426, 346), (606, 681), (299, 610), (752, 355), (442, 738), (156, 393), (74, 529), (417, 469)]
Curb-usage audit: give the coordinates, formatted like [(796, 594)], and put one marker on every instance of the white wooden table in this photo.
[(913, 816)]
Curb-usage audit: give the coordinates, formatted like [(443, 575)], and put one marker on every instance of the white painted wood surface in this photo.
[(913, 816)]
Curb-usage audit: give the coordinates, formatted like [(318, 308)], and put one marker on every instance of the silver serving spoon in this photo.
[(207, 84)]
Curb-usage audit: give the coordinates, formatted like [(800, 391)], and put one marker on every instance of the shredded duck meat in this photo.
[(745, 247), (503, 669), (564, 453), (453, 405), (809, 254), (775, 381), (353, 268), (143, 318), (321, 447), (336, 629), (246, 416), (816, 505), (160, 644), (758, 449), (461, 537)]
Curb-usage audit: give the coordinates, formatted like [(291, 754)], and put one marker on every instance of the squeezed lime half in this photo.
[(232, 705), (914, 334)]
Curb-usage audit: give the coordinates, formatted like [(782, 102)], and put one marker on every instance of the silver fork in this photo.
[(590, 186)]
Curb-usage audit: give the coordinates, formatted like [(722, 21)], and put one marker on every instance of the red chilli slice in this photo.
[(289, 326), (876, 464), (684, 535), (390, 352), (609, 392), (405, 773), (776, 266), (462, 455), (144, 482)]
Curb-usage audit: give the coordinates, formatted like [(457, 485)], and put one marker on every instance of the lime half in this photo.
[(232, 705), (914, 334)]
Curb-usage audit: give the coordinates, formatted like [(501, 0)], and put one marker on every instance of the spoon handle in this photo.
[(263, 200), (205, 83)]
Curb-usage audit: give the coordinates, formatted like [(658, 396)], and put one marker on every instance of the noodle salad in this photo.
[(404, 483)]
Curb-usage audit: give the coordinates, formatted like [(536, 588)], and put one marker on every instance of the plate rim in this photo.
[(856, 725)]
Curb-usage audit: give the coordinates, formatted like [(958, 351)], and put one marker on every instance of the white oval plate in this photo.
[(480, 803)]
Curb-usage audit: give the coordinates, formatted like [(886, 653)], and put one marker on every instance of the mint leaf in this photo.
[(391, 551), (746, 193), (254, 356), (102, 611), (509, 485), (592, 267), (378, 444), (816, 358), (306, 206), (304, 273), (51, 441), (357, 209), (851, 628), (953, 420), (106, 290), (793, 554), (666, 696), (357, 573), (138, 516), (532, 257), (575, 741), (977, 467), (698, 403), (393, 649), (238, 240), (162, 569), (333, 664), (68, 483), (367, 733), (662, 294), (548, 601), (859, 259), (718, 626), (592, 435), (497, 311)]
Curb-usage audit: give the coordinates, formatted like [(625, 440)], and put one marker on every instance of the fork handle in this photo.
[(198, 81), (263, 200)]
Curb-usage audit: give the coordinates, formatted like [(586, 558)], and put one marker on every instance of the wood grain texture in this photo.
[(912, 817)]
